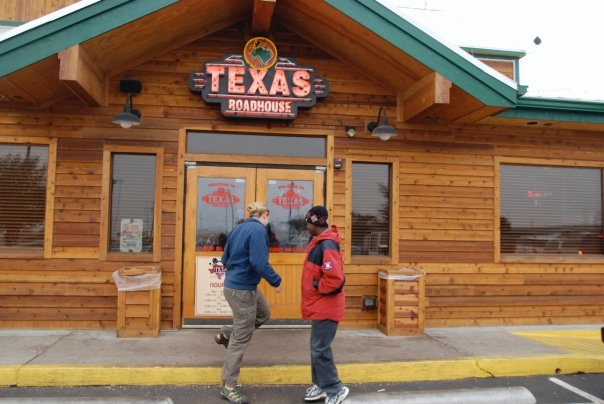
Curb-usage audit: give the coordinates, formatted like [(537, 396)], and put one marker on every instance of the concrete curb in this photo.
[(509, 395), (83, 375)]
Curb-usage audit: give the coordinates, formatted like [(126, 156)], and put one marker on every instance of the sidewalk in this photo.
[(281, 356)]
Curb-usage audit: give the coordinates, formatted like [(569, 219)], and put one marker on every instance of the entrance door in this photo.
[(215, 203)]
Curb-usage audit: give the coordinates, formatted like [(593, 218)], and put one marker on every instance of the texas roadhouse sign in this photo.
[(259, 83)]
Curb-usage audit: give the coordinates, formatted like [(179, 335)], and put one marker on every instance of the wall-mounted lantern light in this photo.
[(129, 116), (381, 130)]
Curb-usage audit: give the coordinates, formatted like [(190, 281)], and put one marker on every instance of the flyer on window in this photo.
[(131, 235)]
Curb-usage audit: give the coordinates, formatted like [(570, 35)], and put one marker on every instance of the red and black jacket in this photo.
[(323, 278)]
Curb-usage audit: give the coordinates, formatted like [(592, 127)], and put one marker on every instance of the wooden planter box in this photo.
[(401, 302), (138, 311)]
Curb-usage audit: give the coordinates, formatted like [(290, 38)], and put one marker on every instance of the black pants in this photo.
[(324, 372)]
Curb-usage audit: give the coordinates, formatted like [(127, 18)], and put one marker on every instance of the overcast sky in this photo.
[(567, 64)]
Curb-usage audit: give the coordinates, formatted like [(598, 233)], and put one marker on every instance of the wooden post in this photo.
[(139, 311), (401, 301)]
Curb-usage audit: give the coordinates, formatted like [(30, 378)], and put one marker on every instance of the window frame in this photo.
[(105, 254), (46, 250), (392, 258), (533, 258)]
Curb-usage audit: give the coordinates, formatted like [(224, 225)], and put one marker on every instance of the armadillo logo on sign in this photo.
[(260, 53)]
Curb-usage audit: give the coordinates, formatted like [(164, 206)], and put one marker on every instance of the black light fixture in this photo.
[(381, 130), (129, 116)]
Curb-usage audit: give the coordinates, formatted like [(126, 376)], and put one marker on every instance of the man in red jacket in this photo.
[(323, 304)]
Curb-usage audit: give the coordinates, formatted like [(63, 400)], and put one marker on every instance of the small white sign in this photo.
[(131, 235)]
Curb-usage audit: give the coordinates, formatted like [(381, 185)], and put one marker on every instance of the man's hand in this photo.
[(278, 289)]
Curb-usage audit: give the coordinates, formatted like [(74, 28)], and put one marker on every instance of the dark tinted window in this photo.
[(370, 209), (551, 210), (132, 202), (23, 170), (227, 143)]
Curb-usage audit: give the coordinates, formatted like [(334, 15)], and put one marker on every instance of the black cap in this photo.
[(317, 216)]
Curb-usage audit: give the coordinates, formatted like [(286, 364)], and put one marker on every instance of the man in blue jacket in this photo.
[(245, 257)]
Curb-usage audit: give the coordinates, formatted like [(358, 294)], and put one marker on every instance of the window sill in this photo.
[(371, 259), (21, 253), (130, 257), (552, 259)]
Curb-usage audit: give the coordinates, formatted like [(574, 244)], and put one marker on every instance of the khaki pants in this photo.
[(250, 311)]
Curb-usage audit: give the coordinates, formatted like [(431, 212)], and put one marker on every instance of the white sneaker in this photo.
[(314, 393), (338, 397)]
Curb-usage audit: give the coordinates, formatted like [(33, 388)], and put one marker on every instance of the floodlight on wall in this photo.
[(129, 116), (351, 131), (381, 130)]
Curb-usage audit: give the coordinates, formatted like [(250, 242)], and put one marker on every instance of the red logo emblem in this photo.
[(290, 200), (260, 53), (221, 198), (216, 268)]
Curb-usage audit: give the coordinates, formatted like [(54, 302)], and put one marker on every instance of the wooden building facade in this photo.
[(496, 196)]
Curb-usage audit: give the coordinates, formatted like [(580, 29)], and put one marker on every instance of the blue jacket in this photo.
[(245, 257)]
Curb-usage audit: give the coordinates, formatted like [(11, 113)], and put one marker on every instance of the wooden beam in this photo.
[(425, 96), (81, 75), (479, 114), (262, 16)]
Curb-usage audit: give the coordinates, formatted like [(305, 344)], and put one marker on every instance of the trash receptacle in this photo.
[(401, 301), (138, 301)]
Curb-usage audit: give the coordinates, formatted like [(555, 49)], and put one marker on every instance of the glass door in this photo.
[(289, 194), (216, 202)]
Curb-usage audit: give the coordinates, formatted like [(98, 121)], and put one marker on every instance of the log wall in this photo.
[(446, 201), (446, 226)]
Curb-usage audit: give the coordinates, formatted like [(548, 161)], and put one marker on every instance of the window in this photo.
[(371, 210), (23, 185), (550, 210), (258, 145), (131, 219)]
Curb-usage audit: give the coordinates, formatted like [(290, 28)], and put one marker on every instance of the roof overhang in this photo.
[(552, 113), (77, 49)]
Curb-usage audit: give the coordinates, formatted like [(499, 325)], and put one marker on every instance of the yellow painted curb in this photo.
[(295, 374), (78, 375), (368, 372), (410, 371), (546, 365), (68, 375), (8, 375)]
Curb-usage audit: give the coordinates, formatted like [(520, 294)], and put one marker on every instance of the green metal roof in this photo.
[(451, 62), (556, 109), (10, 23), (504, 54), (54, 35)]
